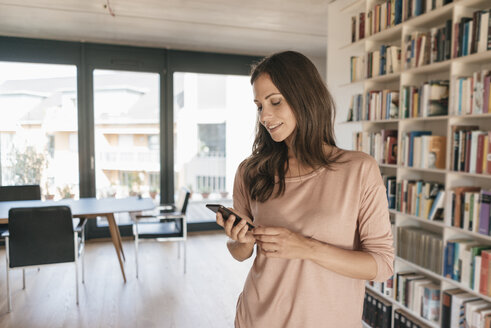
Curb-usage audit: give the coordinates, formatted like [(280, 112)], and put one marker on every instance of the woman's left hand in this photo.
[(281, 243)]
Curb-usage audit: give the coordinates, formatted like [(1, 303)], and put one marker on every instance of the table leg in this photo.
[(116, 239)]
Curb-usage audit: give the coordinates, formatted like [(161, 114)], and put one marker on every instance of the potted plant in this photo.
[(224, 194), (205, 192), (65, 192)]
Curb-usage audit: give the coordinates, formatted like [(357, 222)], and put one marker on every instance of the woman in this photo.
[(321, 214)]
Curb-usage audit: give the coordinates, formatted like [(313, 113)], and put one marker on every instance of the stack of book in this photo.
[(470, 149), (380, 145), (420, 198), (382, 104), (470, 209), (429, 99), (462, 309), (376, 311), (472, 94), (422, 150), (472, 34), (419, 293), (421, 247)]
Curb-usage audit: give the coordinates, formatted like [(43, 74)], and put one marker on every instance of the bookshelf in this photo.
[(339, 51)]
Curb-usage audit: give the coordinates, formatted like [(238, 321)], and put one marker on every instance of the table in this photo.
[(87, 208)]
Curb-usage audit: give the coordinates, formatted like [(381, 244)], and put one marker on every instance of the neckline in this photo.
[(305, 176)]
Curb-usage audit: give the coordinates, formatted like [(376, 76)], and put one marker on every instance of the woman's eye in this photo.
[(259, 109), (275, 103)]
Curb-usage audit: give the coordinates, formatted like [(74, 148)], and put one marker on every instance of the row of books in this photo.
[(390, 187), (357, 68), (472, 34), (470, 149), (403, 320), (382, 104), (470, 209), (376, 311), (388, 14), (380, 145), (421, 247), (467, 261), (420, 198), (423, 48), (472, 95), (355, 111), (384, 61), (419, 293), (429, 99), (385, 288), (423, 150), (463, 309)]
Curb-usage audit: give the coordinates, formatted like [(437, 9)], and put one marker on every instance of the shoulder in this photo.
[(360, 165), (357, 159)]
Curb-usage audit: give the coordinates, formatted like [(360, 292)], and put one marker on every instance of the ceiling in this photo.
[(255, 27)]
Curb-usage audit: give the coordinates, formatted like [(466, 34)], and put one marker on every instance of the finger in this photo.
[(237, 228), (269, 247), (242, 233), (228, 225), (267, 231), (267, 238), (219, 219)]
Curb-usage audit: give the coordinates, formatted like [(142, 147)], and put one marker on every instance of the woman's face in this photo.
[(274, 112)]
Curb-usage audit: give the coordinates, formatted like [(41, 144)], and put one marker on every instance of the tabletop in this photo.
[(84, 207)]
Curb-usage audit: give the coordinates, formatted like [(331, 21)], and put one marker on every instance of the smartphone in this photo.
[(226, 213)]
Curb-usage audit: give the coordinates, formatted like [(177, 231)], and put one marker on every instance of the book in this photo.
[(447, 296), (484, 212), (458, 207), (436, 212), (436, 152)]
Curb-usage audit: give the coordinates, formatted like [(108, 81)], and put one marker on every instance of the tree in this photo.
[(27, 167)]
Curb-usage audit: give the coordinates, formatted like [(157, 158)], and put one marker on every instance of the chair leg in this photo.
[(76, 244), (83, 256), (185, 253), (7, 259), (136, 246), (23, 278), (179, 250)]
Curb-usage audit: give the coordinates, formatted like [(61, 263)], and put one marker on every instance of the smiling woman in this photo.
[(320, 213)]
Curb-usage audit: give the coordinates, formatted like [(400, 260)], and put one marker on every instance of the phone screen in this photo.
[(226, 213)]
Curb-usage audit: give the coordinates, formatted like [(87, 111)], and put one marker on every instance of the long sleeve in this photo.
[(374, 223)]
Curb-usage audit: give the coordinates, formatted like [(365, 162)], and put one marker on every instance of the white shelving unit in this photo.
[(339, 51)]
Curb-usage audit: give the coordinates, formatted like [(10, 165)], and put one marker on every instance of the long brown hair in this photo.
[(299, 82)]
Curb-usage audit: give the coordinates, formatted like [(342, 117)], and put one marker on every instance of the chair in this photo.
[(41, 236), (22, 192), (164, 224)]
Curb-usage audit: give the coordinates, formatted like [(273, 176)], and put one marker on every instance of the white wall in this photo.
[(338, 70)]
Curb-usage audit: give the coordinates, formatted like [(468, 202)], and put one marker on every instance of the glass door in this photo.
[(214, 121), (126, 135), (38, 127)]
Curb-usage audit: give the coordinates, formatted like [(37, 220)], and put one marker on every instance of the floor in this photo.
[(163, 296)]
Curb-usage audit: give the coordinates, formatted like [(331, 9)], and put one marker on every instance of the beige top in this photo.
[(346, 208)]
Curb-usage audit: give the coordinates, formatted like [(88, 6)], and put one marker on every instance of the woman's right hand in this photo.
[(239, 233)]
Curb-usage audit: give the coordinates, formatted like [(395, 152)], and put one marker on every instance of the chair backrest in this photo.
[(40, 235), (182, 200), (23, 192)]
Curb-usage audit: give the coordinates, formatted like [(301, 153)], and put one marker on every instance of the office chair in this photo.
[(21, 192), (163, 224), (40, 236)]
